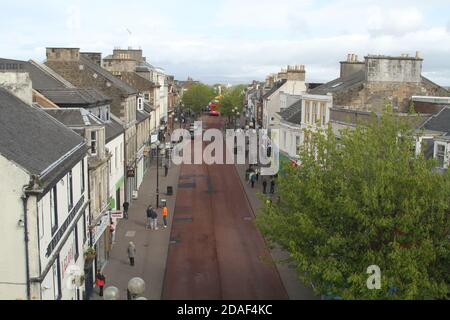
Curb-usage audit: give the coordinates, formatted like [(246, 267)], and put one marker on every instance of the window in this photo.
[(314, 113), (94, 143), (82, 177), (147, 97), (75, 244), (307, 111), (70, 191), (54, 210), (298, 144), (323, 114), (84, 227), (440, 155)]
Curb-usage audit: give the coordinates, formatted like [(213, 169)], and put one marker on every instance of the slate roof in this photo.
[(122, 85), (57, 89), (275, 87), (439, 122), (141, 116), (35, 141), (340, 84), (79, 118), (113, 129), (40, 79), (293, 114), (75, 96)]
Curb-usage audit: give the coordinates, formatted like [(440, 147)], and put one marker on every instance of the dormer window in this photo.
[(140, 104), (94, 143)]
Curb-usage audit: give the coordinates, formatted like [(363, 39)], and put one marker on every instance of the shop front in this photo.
[(131, 182), (101, 241)]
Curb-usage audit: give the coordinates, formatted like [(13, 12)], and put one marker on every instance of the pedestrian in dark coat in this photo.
[(126, 206), (264, 186), (253, 180), (100, 281), (272, 187), (166, 169), (131, 251), (149, 216)]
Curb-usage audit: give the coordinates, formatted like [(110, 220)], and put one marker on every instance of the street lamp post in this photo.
[(157, 175)]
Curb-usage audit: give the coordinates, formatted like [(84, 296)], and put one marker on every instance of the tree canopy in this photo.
[(198, 97), (233, 98), (365, 199)]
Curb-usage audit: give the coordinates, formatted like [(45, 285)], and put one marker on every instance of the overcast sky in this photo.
[(235, 40)]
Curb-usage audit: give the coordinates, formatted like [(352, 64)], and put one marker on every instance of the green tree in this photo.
[(365, 200), (198, 97), (233, 98)]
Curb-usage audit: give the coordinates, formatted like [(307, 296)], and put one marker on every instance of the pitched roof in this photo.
[(141, 116), (35, 141), (76, 117), (439, 122), (40, 79), (340, 84), (122, 85), (57, 89), (293, 114), (76, 96), (277, 85), (113, 129)]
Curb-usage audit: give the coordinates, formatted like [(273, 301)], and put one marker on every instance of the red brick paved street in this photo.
[(216, 251)]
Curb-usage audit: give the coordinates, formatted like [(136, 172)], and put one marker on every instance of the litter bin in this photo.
[(169, 190)]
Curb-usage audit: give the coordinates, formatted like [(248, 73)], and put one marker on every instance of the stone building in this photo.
[(290, 81), (85, 71), (44, 193), (367, 85), (130, 65)]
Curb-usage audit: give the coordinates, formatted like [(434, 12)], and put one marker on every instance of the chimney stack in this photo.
[(351, 66), (296, 73), (63, 54), (17, 81)]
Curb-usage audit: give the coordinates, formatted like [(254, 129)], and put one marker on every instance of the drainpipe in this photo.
[(26, 239)]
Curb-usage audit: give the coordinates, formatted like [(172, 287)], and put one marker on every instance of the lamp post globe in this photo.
[(111, 293), (136, 287)]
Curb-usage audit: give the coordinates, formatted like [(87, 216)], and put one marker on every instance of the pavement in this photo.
[(151, 246), (287, 272)]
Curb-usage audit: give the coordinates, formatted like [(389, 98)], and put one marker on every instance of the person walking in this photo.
[(100, 281), (154, 216), (165, 213), (131, 250), (126, 206), (265, 186), (149, 218), (257, 172), (166, 169), (253, 180), (272, 187), (112, 229)]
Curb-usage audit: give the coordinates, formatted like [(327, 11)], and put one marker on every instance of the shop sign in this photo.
[(154, 138), (117, 214), (98, 230)]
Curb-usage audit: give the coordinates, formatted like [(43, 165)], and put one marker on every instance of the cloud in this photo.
[(234, 40)]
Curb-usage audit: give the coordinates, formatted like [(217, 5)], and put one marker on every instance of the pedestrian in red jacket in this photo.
[(100, 281)]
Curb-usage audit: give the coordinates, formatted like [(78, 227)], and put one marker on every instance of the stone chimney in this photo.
[(96, 57), (351, 66), (270, 80), (63, 54), (14, 79), (403, 68), (296, 73), (282, 75)]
